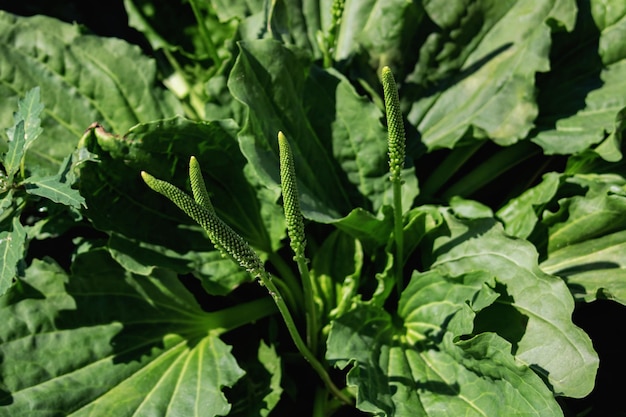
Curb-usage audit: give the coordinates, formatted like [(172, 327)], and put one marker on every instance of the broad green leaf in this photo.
[(586, 88), (534, 309), (338, 142), (83, 78), (12, 250), (104, 341), (410, 365), (477, 70), (594, 268)]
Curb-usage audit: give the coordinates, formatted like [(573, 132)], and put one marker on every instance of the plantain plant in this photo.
[(404, 209)]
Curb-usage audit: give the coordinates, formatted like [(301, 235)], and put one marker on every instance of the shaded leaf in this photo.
[(586, 87), (12, 250), (477, 70), (83, 78)]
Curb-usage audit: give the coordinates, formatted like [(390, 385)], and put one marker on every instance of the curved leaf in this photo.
[(534, 309), (412, 366)]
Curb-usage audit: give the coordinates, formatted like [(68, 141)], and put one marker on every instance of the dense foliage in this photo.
[(442, 283)]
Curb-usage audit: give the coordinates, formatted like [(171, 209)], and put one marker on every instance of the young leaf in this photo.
[(51, 188), (12, 246), (13, 157)]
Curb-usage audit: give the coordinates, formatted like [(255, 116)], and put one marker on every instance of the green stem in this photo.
[(205, 36), (398, 234), (297, 339), (312, 326)]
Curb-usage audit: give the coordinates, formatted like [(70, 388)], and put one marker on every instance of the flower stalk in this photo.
[(297, 239), (396, 139)]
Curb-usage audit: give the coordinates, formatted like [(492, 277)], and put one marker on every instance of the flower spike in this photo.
[(291, 200), (223, 237), (395, 125)]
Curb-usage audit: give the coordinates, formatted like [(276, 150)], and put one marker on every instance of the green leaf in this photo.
[(336, 277), (595, 206), (12, 250), (83, 78), (25, 130), (476, 71), (105, 341), (336, 137), (594, 268), (521, 214), (383, 28), (585, 89), (410, 366), (534, 309), (582, 237), (53, 189), (13, 157)]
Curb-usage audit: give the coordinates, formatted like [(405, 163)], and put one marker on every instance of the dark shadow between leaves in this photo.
[(502, 318), (477, 229)]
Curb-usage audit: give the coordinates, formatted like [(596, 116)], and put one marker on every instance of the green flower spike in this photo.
[(222, 236), (295, 230), (395, 125), (396, 142), (198, 188), (291, 201)]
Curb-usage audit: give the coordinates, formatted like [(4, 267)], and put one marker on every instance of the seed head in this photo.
[(291, 200), (395, 125), (222, 236)]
